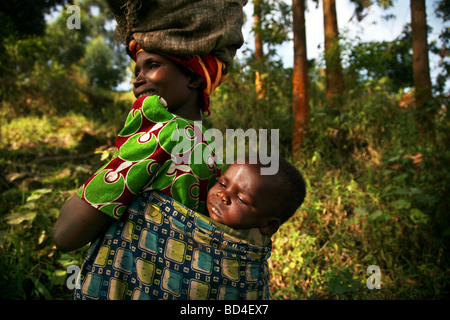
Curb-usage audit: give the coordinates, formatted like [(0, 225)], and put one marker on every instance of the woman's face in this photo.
[(158, 75)]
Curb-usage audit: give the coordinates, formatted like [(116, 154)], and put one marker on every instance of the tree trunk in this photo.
[(334, 76), (259, 53), (421, 68), (300, 106)]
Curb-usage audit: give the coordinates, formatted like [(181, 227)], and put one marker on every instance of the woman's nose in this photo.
[(139, 80)]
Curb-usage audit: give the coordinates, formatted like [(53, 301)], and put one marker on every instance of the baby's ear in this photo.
[(271, 226)]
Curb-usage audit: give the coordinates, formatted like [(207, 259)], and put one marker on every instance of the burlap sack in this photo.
[(182, 27)]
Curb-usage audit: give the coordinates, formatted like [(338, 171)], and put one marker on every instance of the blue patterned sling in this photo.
[(162, 250)]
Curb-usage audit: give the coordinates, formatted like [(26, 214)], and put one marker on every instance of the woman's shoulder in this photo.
[(149, 116), (154, 109)]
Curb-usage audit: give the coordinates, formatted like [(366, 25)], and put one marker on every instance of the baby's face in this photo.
[(241, 198)]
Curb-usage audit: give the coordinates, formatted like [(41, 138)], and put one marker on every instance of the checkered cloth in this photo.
[(163, 250)]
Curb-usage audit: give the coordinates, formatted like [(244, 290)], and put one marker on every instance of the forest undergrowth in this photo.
[(377, 193)]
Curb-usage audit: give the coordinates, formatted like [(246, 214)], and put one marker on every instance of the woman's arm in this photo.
[(78, 224)]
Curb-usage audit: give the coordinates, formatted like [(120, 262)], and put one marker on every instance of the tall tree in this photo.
[(443, 12), (300, 105), (421, 66), (271, 26), (362, 7), (259, 52), (334, 75)]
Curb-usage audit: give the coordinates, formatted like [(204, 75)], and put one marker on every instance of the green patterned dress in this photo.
[(156, 150)]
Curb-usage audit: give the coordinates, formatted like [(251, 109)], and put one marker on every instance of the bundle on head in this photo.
[(182, 27)]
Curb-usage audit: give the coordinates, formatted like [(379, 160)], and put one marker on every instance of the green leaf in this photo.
[(374, 215), (418, 217), (400, 204), (19, 217), (58, 277), (352, 220), (361, 211), (67, 260), (41, 288), (37, 194)]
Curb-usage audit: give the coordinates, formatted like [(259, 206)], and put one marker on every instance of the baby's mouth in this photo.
[(215, 209)]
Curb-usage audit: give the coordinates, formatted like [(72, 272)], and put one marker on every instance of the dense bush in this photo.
[(378, 179), (376, 191)]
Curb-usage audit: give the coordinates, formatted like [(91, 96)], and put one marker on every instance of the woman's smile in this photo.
[(147, 93)]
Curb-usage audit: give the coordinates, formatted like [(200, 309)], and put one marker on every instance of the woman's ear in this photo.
[(271, 226), (195, 81)]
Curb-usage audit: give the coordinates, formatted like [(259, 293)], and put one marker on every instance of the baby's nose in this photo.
[(223, 196)]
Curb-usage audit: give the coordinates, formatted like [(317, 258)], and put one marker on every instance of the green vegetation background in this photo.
[(377, 182)]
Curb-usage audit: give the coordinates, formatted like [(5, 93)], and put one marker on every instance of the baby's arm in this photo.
[(78, 224)]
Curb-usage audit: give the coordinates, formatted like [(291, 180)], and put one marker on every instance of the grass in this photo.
[(379, 200), (41, 167)]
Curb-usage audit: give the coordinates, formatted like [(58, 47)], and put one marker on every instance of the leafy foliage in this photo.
[(376, 189), (27, 16), (63, 68), (276, 22), (389, 60), (374, 199)]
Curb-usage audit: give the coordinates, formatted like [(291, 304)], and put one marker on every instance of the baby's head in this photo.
[(243, 198)]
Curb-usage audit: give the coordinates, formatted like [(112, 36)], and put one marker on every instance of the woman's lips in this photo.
[(146, 93)]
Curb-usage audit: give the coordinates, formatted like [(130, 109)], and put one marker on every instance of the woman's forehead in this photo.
[(142, 56)]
